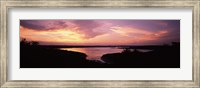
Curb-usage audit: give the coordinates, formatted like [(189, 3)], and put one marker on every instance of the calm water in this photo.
[(94, 53), (97, 53)]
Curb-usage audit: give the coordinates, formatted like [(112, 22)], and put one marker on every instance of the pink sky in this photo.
[(100, 32)]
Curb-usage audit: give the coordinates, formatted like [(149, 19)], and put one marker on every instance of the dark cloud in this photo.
[(43, 24)]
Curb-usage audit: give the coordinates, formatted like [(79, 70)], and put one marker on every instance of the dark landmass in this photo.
[(33, 55), (163, 57)]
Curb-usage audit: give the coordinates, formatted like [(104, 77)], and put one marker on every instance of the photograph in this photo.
[(99, 43)]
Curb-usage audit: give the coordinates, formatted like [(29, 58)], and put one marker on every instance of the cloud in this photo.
[(86, 27), (53, 35), (43, 24), (89, 27), (127, 31), (134, 35)]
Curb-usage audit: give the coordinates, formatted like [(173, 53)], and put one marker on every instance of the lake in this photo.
[(95, 53)]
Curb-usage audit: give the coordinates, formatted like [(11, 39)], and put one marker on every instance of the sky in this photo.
[(101, 32)]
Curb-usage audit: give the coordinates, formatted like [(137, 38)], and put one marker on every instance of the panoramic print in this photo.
[(100, 43)]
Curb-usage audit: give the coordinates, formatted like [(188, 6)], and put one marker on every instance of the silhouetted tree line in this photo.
[(24, 42)]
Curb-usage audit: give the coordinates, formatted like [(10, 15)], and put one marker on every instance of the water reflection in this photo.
[(94, 53)]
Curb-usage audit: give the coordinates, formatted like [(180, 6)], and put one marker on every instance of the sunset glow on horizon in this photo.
[(101, 32)]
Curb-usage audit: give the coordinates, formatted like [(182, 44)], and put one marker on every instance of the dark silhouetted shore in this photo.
[(163, 57), (33, 55)]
